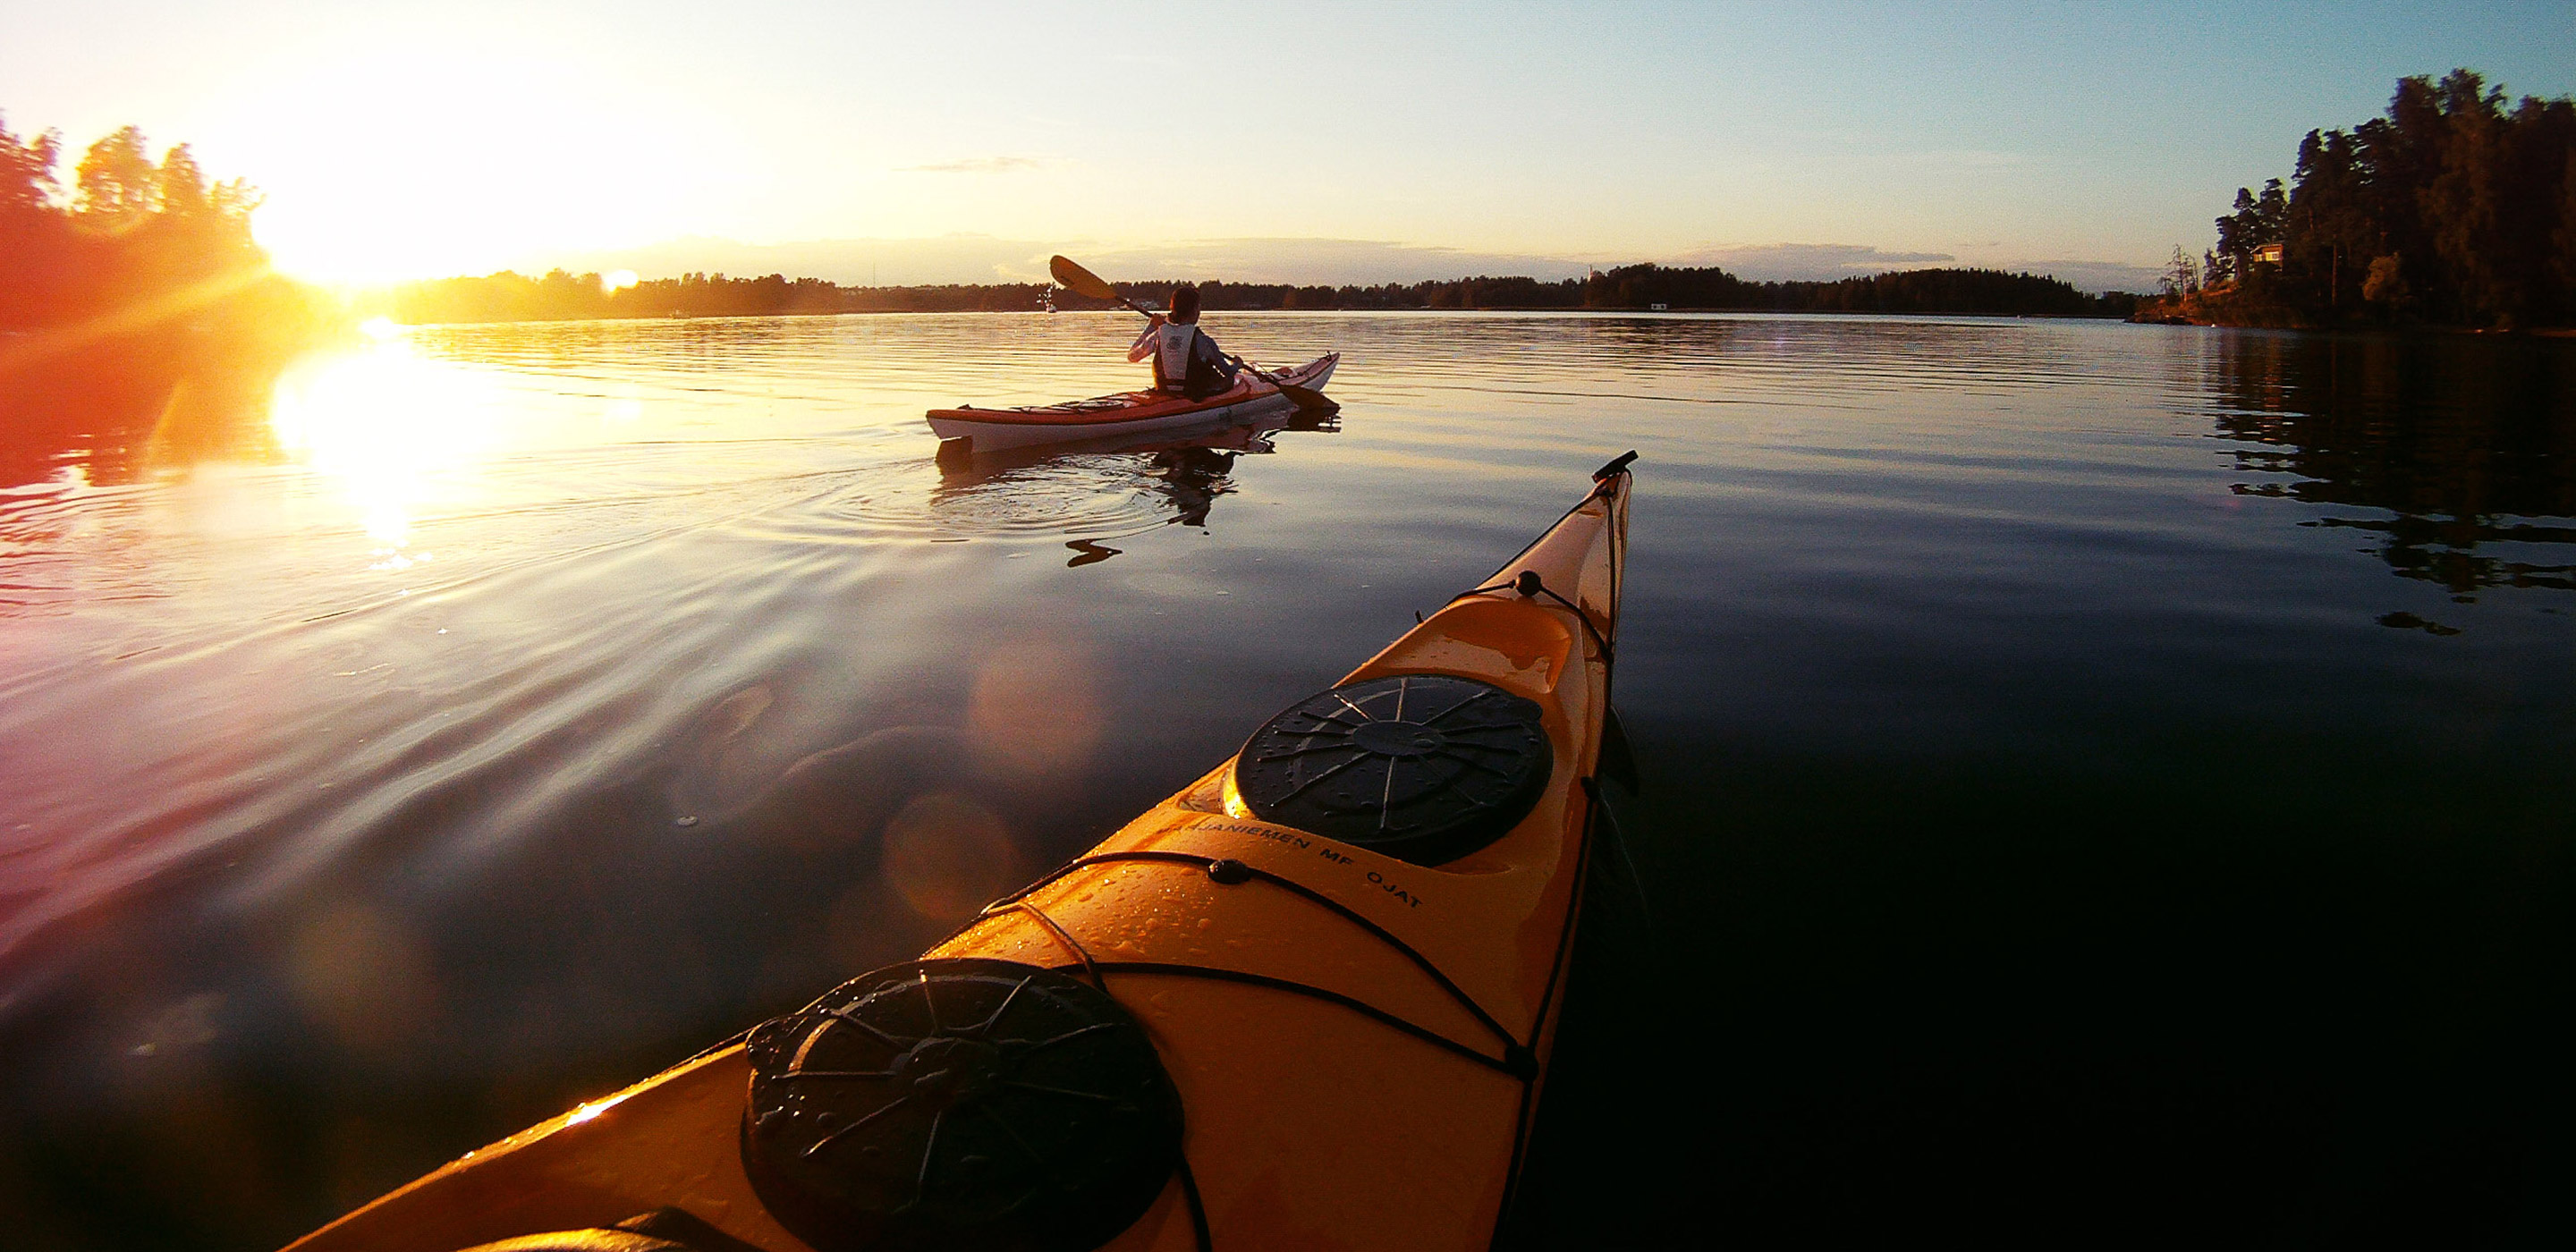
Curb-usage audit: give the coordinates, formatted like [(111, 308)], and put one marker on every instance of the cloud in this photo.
[(976, 165)]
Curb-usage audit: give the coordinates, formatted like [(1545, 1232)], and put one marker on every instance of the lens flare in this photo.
[(364, 976), (946, 855), (1035, 710)]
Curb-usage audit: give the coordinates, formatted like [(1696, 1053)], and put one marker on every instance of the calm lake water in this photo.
[(2103, 784)]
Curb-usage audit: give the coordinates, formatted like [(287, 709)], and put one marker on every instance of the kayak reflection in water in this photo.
[(1186, 360), (1191, 477), (1194, 478), (1157, 482)]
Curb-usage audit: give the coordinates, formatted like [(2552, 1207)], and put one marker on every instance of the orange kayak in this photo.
[(1306, 1002)]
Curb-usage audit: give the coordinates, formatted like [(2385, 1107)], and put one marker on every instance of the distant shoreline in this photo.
[(562, 296), (1585, 312), (2224, 308)]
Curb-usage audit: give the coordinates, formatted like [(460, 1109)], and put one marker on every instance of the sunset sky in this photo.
[(962, 142)]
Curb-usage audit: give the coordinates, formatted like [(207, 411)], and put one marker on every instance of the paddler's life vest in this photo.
[(1179, 364)]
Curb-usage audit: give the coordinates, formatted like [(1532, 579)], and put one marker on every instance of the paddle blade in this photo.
[(1305, 397), (1080, 281)]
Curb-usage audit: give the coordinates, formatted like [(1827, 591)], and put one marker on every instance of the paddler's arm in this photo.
[(1144, 345)]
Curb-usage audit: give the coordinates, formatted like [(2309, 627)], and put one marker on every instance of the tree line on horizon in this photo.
[(2451, 209), (561, 295)]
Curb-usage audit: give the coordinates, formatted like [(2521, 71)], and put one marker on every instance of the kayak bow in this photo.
[(1308, 1001)]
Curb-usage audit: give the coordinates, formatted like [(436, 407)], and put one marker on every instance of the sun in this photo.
[(332, 241), (437, 161)]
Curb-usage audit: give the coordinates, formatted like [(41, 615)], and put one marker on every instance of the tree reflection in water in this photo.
[(165, 393), (2468, 444)]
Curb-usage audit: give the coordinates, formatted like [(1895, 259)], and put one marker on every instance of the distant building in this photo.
[(2268, 254)]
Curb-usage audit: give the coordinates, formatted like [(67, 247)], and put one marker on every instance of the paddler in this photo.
[(1186, 361)]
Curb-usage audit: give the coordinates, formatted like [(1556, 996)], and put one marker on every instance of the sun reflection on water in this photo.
[(387, 422)]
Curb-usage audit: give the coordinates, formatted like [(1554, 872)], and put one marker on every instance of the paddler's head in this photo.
[(1185, 304)]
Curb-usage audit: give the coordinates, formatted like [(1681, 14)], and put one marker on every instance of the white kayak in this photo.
[(1126, 413)]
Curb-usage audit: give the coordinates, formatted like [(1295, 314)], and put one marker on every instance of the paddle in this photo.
[(1083, 282)]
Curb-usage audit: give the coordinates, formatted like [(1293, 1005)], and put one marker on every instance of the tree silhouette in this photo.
[(182, 186), (142, 315), (27, 182), (2450, 206), (2258, 221), (118, 184)]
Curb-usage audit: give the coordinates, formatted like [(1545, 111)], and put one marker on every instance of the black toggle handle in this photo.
[(1610, 471)]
